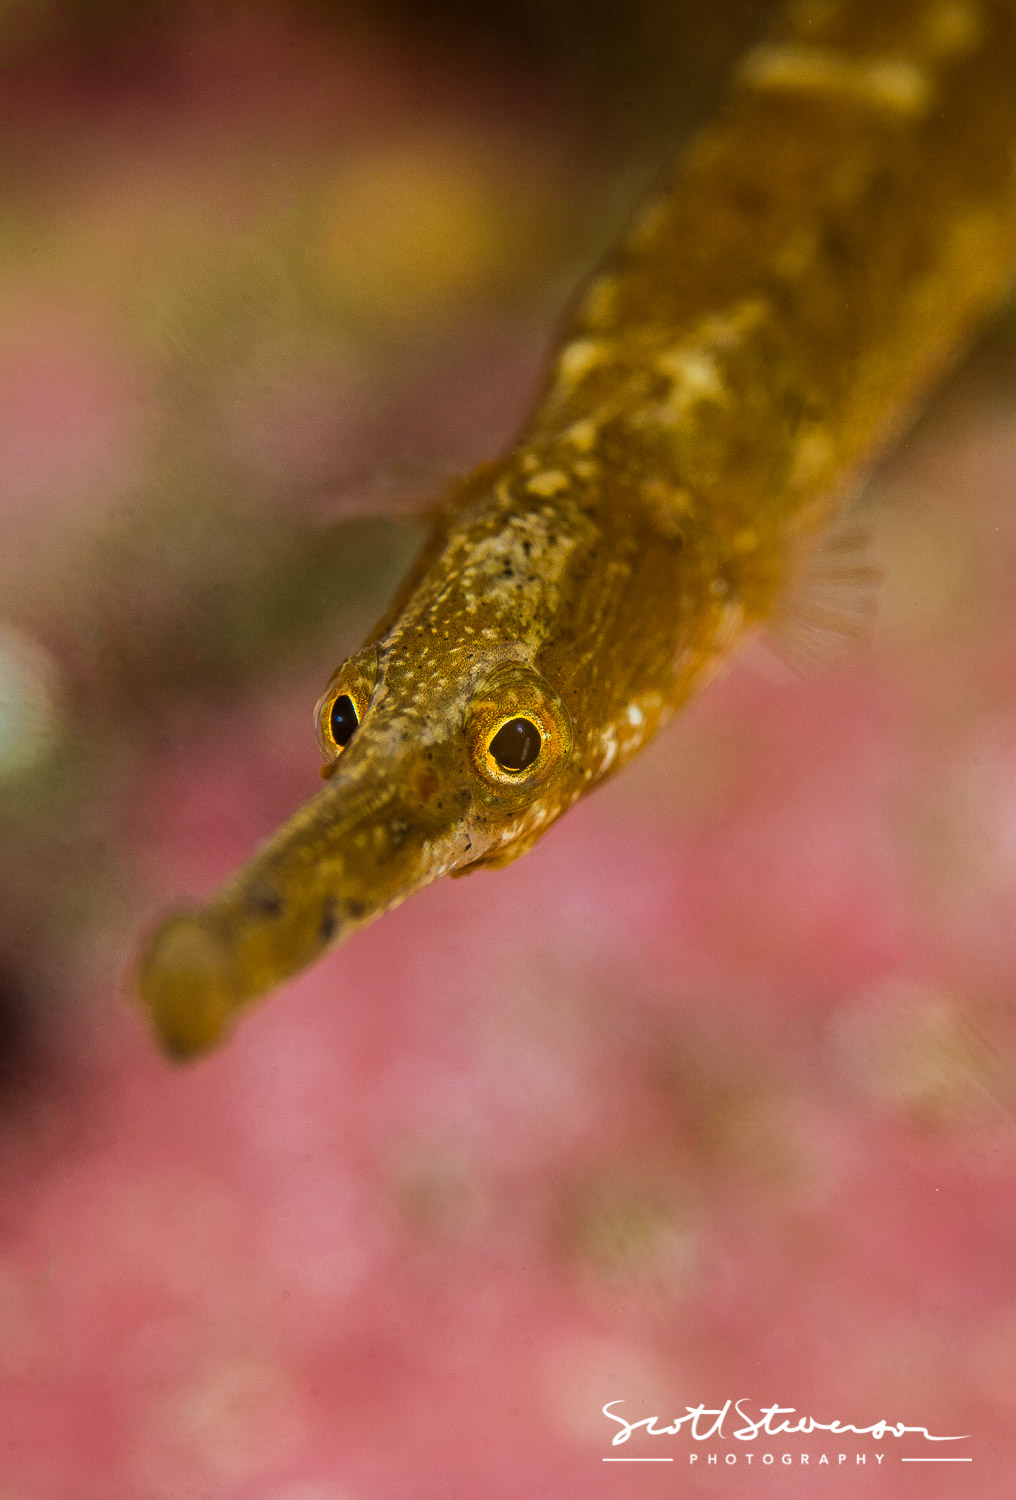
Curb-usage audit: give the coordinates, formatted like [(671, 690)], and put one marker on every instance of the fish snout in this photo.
[(354, 851)]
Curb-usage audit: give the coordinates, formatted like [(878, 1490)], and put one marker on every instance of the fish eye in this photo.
[(340, 712), (518, 732), (342, 721), (336, 719), (516, 745)]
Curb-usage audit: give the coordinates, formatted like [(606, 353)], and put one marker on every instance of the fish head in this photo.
[(437, 759)]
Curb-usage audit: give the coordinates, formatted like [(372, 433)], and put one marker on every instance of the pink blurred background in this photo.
[(709, 1097)]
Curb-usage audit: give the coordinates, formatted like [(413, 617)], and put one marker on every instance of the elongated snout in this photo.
[(377, 833)]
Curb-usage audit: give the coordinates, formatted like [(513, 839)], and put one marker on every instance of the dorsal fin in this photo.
[(402, 490)]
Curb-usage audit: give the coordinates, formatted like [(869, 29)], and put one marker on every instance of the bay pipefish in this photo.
[(771, 320)]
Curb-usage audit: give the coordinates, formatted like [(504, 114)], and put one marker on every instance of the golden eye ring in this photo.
[(342, 707), (518, 732)]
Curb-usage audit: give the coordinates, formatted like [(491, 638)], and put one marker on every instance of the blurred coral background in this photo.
[(711, 1095)]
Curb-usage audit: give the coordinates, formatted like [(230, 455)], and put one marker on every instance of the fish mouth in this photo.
[(354, 851)]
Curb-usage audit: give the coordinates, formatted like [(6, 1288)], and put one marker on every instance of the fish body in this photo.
[(774, 316)]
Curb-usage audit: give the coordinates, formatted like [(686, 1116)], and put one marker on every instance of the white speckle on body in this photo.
[(892, 83), (693, 370), (582, 434), (547, 483), (729, 330), (608, 743), (579, 357), (695, 377)]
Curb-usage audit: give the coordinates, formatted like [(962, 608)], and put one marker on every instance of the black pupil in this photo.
[(516, 745), (343, 722)]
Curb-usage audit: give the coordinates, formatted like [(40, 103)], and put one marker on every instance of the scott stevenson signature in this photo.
[(766, 1422)]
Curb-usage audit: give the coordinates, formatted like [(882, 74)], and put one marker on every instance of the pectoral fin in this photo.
[(829, 602)]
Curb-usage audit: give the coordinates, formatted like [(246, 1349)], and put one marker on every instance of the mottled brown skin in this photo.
[(773, 318)]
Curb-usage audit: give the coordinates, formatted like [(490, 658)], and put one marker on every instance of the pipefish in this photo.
[(776, 312)]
